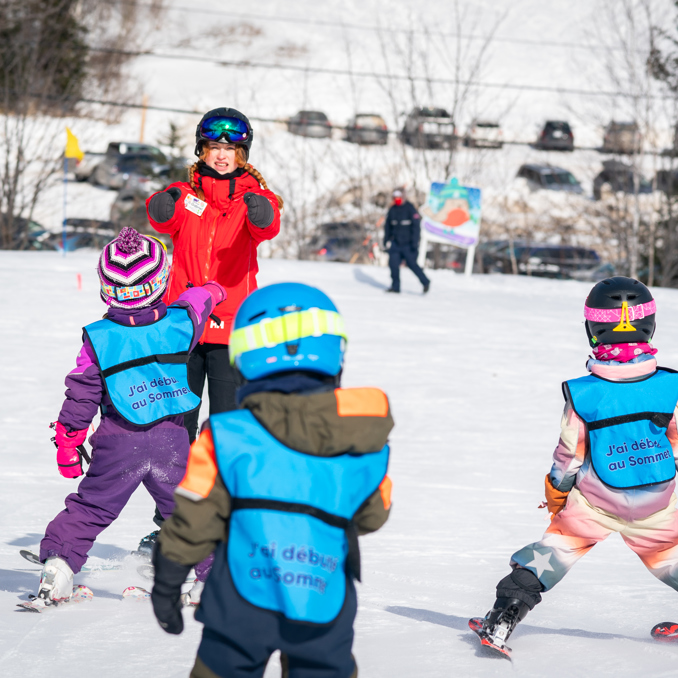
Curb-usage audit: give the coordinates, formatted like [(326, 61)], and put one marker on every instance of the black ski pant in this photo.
[(395, 256), (211, 361), (238, 638)]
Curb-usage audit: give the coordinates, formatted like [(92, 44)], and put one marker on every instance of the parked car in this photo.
[(548, 261), (367, 128), (81, 233), (667, 181), (483, 134), (84, 168), (429, 128), (122, 158), (556, 135), (341, 241), (114, 171), (617, 177), (310, 124), (28, 235), (550, 178), (621, 137)]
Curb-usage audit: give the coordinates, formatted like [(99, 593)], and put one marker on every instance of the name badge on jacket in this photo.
[(195, 205)]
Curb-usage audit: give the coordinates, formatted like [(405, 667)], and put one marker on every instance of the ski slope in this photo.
[(473, 371)]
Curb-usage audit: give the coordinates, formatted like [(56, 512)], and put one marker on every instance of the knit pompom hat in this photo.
[(133, 270)]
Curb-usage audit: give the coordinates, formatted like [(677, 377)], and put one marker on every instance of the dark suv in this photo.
[(429, 128), (310, 124), (619, 177), (556, 136), (546, 261), (550, 178)]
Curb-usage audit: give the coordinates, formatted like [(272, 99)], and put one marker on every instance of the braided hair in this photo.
[(241, 161)]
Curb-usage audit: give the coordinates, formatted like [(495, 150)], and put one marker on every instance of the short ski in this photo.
[(34, 604), (92, 567), (666, 632), (476, 625), (135, 593)]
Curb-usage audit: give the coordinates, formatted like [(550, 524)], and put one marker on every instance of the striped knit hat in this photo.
[(133, 270)]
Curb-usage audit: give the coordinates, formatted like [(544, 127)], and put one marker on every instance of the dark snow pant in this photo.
[(239, 638), (395, 256), (211, 361), (120, 463)]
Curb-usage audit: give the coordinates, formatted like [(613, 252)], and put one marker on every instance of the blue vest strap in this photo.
[(353, 557), (660, 419), (180, 357)]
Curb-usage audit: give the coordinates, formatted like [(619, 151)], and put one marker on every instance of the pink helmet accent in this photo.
[(613, 315)]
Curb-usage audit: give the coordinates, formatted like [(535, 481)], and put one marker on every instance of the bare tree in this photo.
[(51, 58)]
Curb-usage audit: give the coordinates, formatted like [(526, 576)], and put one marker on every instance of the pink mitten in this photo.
[(217, 292), (68, 457), (69, 462)]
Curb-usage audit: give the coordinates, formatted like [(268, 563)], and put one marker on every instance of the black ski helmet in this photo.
[(223, 113), (619, 310)]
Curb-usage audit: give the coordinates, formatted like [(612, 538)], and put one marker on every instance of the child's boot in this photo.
[(504, 616), (56, 581), (192, 597)]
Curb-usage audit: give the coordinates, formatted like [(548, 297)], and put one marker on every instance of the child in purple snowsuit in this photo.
[(132, 366)]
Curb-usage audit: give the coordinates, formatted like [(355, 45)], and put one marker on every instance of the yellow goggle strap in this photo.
[(271, 332)]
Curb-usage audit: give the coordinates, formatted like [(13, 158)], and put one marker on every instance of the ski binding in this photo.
[(34, 604), (135, 593), (476, 625), (667, 632)]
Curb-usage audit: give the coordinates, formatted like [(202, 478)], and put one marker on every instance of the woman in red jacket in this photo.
[(216, 220)]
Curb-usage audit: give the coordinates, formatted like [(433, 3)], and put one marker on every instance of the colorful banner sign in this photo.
[(451, 214)]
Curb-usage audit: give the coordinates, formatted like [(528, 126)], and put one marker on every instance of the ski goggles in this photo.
[(614, 315), (230, 129), (271, 332), (136, 291)]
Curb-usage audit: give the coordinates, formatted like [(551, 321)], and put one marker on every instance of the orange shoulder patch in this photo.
[(201, 470), (385, 491), (361, 402)]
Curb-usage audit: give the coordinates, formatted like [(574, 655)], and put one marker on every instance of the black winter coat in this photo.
[(402, 227)]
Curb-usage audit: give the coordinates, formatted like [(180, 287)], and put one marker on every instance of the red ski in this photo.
[(476, 625), (666, 632)]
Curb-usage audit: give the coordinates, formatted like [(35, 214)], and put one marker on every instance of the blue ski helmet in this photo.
[(287, 327)]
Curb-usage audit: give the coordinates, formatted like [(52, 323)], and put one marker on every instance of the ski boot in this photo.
[(500, 621), (147, 544), (192, 597), (56, 582)]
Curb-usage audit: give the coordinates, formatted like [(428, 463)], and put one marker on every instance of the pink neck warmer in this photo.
[(622, 353)]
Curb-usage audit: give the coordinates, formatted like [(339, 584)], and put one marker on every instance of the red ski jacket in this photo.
[(218, 244)]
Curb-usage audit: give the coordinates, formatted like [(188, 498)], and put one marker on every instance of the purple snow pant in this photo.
[(156, 457)]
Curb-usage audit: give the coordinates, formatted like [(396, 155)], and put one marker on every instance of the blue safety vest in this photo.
[(291, 541), (145, 367), (626, 424)]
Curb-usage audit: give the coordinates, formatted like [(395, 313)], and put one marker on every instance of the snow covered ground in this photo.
[(473, 371)]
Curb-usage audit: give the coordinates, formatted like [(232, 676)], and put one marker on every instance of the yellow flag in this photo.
[(72, 146)]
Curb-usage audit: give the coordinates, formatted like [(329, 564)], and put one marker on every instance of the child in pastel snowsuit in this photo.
[(281, 488), (132, 367), (614, 466)]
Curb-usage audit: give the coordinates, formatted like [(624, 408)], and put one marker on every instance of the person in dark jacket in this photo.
[(401, 239), (280, 490)]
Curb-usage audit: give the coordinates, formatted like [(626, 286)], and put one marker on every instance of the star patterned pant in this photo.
[(579, 527)]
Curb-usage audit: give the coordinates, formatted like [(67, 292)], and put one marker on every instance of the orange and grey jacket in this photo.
[(326, 424)]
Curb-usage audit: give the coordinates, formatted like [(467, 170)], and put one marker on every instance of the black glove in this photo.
[(259, 210), (166, 593), (161, 205)]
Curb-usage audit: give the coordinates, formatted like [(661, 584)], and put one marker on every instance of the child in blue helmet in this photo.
[(280, 490)]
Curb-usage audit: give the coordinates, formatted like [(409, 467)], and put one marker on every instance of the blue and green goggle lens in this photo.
[(230, 129)]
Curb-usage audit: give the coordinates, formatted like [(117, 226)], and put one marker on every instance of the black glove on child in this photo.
[(166, 594), (161, 205), (259, 210)]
